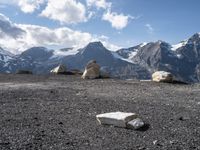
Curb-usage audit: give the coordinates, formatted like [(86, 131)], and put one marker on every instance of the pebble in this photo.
[(135, 124)]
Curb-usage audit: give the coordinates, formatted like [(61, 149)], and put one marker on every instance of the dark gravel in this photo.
[(58, 113)]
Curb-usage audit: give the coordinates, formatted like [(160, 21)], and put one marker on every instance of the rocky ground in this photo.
[(58, 113)]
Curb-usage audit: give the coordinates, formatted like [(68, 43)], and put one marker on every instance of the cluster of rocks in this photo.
[(92, 71), (61, 69)]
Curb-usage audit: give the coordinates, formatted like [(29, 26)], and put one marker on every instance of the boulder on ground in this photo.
[(117, 119), (24, 72), (92, 70), (162, 76), (61, 69)]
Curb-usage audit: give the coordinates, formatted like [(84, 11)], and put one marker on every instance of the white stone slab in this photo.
[(118, 119)]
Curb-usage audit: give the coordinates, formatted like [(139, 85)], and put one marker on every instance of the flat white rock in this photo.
[(135, 124), (118, 119)]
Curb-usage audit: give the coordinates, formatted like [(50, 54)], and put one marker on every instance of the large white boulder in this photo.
[(59, 69), (92, 70), (162, 76), (118, 119)]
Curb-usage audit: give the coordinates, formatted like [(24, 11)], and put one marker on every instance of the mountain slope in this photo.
[(5, 60), (104, 57), (183, 59)]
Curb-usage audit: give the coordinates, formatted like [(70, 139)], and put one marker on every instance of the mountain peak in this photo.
[(37, 48), (194, 38), (37, 53), (95, 44), (94, 47)]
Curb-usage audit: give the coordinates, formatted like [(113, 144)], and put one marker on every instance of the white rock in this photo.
[(135, 124), (118, 119), (162, 76), (59, 70), (92, 70)]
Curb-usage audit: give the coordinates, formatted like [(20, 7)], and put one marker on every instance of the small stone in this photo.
[(135, 124), (117, 119), (154, 142)]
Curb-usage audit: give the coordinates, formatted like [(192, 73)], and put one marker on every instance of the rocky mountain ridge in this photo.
[(182, 60)]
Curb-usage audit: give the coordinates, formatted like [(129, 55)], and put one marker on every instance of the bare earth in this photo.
[(58, 113)]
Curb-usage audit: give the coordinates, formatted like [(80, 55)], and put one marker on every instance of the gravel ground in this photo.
[(58, 113)]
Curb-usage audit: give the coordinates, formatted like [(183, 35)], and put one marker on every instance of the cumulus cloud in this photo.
[(65, 11), (27, 36), (99, 3), (149, 27), (118, 21), (72, 11), (29, 6)]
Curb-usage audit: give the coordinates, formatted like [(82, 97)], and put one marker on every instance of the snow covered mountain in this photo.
[(5, 59), (116, 66), (129, 53), (182, 59)]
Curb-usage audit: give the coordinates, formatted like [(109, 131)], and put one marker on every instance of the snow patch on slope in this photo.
[(143, 44), (181, 44), (132, 54), (117, 56)]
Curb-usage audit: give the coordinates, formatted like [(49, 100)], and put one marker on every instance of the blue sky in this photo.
[(140, 21)]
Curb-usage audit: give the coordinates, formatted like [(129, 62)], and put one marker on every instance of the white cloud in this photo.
[(72, 11), (28, 36), (118, 21), (65, 11), (149, 27), (99, 3), (29, 6)]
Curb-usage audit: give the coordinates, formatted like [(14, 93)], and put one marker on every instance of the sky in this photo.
[(74, 23)]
